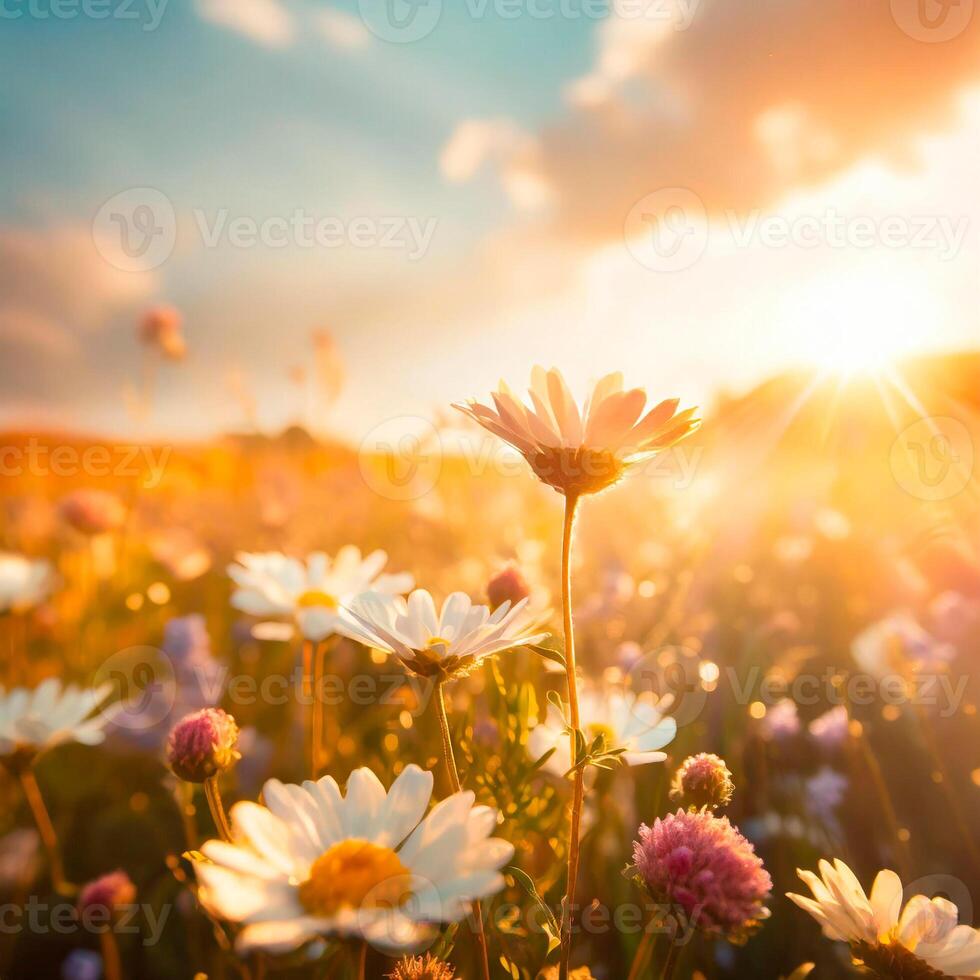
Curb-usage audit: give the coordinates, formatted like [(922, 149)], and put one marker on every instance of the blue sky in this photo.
[(525, 142)]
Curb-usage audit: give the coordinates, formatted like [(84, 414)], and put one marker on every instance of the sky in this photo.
[(699, 192)]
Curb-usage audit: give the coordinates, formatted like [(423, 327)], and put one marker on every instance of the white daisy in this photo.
[(272, 584), (32, 721), (446, 643), (24, 582), (371, 865), (897, 642), (581, 451), (637, 724), (887, 938)]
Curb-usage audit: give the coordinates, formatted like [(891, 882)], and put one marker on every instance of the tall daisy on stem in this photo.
[(579, 452), (312, 594), (441, 646), (31, 722)]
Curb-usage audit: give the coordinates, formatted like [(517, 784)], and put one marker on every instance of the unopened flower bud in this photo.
[(91, 511), (111, 891), (703, 780), (203, 744), (419, 968), (507, 585)]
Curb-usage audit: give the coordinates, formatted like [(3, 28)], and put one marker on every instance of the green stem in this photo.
[(884, 797), (578, 788), (316, 734), (308, 708), (642, 955), (45, 828), (213, 794), (450, 759), (673, 954), (111, 961)]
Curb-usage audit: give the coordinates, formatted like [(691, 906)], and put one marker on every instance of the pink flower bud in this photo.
[(507, 585), (111, 891), (92, 511), (702, 780), (203, 744)]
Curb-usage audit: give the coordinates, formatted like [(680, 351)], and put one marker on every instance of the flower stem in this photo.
[(111, 961), (885, 799), (213, 794), (642, 955), (447, 751), (578, 788), (45, 828), (673, 953), (306, 706), (447, 742), (316, 733), (360, 961)]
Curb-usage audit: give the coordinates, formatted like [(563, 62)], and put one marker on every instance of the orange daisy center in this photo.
[(355, 874), (315, 598)]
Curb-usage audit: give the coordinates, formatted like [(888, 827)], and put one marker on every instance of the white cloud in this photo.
[(342, 30), (266, 22), (503, 144)]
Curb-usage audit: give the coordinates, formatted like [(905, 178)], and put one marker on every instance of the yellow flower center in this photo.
[(355, 874), (316, 598), (597, 728), (436, 641)]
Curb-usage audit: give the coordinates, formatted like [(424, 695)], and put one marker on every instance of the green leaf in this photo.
[(551, 649), (538, 763), (526, 882)]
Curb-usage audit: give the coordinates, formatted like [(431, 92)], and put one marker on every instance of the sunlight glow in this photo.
[(862, 326)]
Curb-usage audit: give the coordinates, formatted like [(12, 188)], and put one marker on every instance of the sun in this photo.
[(861, 326)]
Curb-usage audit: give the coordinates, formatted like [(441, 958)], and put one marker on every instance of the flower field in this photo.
[(567, 688)]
